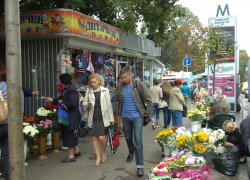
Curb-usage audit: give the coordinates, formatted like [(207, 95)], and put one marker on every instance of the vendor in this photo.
[(235, 138)]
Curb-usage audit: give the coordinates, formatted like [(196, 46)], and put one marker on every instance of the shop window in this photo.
[(146, 72)]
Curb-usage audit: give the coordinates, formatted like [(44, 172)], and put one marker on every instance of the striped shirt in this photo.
[(129, 108)]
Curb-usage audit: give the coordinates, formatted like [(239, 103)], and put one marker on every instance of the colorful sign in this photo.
[(66, 22), (224, 81)]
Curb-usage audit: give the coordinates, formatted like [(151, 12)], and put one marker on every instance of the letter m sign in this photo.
[(222, 12)]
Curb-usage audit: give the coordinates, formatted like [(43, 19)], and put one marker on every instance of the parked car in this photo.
[(246, 92)]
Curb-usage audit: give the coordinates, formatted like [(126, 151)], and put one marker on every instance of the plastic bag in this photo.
[(63, 117), (184, 112), (113, 139), (228, 162)]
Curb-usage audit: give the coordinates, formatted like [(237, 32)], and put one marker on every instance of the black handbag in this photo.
[(57, 126), (184, 112), (147, 118)]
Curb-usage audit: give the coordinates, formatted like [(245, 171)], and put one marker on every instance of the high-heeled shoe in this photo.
[(97, 163)]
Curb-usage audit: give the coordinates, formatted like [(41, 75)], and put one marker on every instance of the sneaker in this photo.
[(64, 147), (157, 126), (140, 172), (153, 126), (130, 157)]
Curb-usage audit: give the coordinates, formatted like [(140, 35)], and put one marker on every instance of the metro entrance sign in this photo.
[(187, 62)]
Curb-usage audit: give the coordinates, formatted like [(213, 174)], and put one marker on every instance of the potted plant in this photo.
[(166, 139), (196, 116), (44, 128)]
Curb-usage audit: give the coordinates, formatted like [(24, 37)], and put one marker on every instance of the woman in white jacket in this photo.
[(156, 94), (97, 100)]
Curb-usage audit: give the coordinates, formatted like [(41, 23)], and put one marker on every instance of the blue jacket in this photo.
[(185, 90)]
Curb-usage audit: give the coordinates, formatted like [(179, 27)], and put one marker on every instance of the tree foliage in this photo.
[(242, 65), (179, 45), (213, 48), (159, 16)]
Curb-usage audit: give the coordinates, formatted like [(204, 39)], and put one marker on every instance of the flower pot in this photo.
[(208, 157), (195, 126), (49, 140), (42, 140), (35, 142), (166, 151), (55, 141), (25, 143)]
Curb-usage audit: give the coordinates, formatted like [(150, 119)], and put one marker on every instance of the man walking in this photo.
[(129, 105)]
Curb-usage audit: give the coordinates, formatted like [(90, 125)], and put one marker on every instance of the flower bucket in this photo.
[(166, 151), (195, 126), (174, 152), (55, 141), (208, 157), (25, 143), (42, 147), (49, 140)]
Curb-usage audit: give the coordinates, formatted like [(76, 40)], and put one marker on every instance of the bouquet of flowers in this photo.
[(29, 131), (166, 137), (29, 119), (196, 115), (44, 127), (46, 112)]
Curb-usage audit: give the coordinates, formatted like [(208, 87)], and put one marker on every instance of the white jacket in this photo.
[(156, 93), (106, 106)]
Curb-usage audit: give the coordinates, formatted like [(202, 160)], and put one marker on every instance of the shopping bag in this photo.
[(113, 138), (227, 162), (3, 108), (184, 112), (63, 117)]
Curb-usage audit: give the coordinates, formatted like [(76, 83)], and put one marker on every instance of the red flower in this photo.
[(29, 119), (50, 107)]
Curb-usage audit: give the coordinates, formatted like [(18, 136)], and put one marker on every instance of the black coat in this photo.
[(71, 101)]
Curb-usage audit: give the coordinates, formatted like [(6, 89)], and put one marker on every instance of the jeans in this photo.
[(176, 118), (133, 126), (186, 98), (5, 149), (167, 116), (155, 112)]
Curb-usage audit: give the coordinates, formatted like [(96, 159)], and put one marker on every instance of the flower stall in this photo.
[(191, 146)]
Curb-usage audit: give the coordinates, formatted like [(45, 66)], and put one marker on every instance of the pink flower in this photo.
[(46, 127), (41, 122)]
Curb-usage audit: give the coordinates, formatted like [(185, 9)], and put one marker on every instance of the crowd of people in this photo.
[(132, 102)]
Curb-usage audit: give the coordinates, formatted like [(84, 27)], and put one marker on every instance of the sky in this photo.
[(206, 9)]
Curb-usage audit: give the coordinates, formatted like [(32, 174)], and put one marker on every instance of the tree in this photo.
[(242, 65), (176, 47), (213, 48), (159, 16)]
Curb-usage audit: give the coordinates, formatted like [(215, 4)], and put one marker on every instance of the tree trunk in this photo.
[(14, 82)]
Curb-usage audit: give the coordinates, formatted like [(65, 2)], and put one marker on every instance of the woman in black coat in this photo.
[(70, 103), (235, 138)]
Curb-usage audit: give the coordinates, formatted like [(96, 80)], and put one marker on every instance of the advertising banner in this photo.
[(63, 21), (226, 70)]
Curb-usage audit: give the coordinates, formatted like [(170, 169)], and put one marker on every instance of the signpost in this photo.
[(187, 62)]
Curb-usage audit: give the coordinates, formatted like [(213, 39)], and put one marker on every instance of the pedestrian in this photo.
[(97, 100), (4, 126), (156, 94), (235, 138), (166, 87), (186, 93), (176, 103), (198, 93), (245, 131), (118, 119), (69, 102), (129, 106)]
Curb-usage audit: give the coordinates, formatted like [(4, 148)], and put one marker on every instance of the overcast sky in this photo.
[(206, 9)]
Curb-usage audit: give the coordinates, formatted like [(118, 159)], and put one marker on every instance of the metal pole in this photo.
[(14, 81)]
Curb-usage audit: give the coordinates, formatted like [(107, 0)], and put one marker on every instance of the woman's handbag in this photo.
[(162, 104), (86, 113), (3, 108)]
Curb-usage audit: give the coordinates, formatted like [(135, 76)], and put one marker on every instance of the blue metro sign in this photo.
[(187, 62)]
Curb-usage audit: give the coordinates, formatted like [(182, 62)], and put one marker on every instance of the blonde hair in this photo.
[(229, 124), (166, 87), (98, 78)]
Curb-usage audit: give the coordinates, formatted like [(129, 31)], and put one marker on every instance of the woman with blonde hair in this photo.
[(97, 100), (166, 87), (234, 138)]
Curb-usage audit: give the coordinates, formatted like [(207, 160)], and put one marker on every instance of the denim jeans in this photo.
[(133, 126), (155, 112), (176, 118), (5, 149), (167, 116)]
